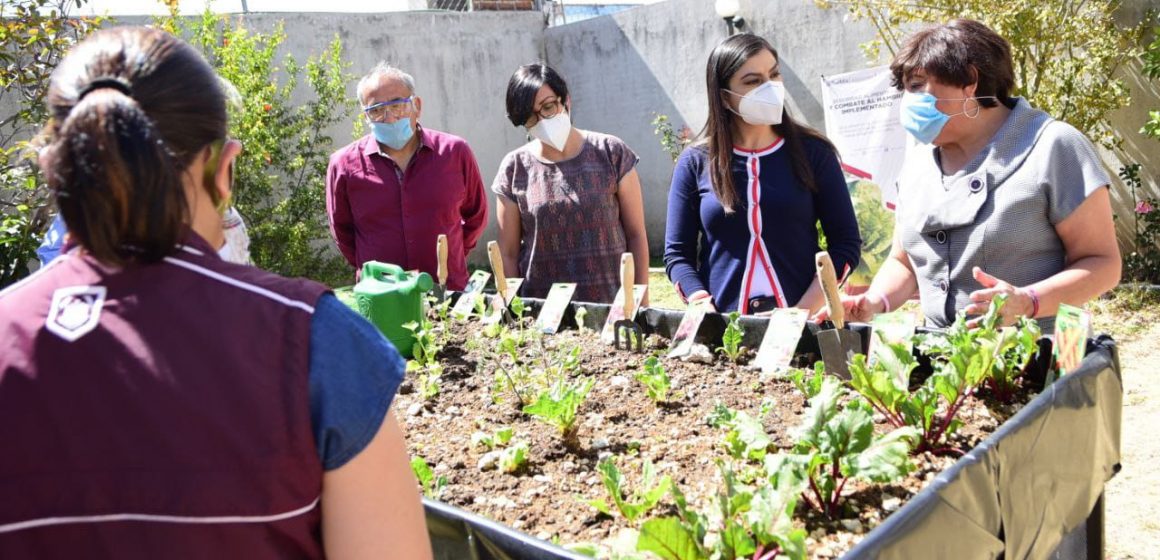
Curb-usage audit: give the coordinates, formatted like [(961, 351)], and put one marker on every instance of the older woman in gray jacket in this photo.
[(999, 199)]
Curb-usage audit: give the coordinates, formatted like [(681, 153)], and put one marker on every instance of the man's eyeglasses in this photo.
[(396, 108), (549, 109)]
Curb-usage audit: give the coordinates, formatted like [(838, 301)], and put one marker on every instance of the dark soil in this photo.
[(618, 418)]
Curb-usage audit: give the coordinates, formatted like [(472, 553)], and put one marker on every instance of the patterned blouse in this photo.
[(570, 228)]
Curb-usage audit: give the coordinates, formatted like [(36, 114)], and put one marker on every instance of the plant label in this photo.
[(1073, 327), (554, 306), (687, 330), (497, 304), (780, 341), (890, 328), (617, 312), (466, 302)]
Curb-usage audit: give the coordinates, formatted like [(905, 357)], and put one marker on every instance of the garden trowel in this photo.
[(505, 288), (632, 331), (838, 344), (440, 289)]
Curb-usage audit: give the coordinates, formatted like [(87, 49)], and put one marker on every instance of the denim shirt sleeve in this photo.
[(354, 374)]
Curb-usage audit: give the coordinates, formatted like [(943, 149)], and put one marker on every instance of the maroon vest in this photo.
[(158, 411)]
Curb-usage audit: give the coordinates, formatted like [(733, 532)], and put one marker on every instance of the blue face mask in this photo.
[(396, 134), (920, 117)]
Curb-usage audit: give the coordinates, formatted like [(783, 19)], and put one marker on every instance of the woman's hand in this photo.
[(1020, 301), (860, 308), (705, 299)]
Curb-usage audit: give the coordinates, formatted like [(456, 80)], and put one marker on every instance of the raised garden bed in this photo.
[(1017, 491)]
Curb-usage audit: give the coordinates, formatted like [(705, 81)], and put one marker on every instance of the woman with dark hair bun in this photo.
[(157, 401), (1000, 198), (747, 197), (568, 203)]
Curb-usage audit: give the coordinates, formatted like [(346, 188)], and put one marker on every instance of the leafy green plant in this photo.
[(500, 438), (834, 446), (279, 178), (655, 379), (672, 141), (744, 521), (558, 405), (1151, 69), (431, 485), (808, 382), (637, 503), (745, 437), (1065, 52), (963, 359), (731, 346), (514, 458)]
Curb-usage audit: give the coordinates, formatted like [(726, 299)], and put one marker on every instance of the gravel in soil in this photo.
[(545, 498)]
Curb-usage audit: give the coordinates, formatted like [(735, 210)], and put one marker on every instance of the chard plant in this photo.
[(743, 522), (963, 359), (557, 406), (431, 485), (731, 346), (655, 379), (429, 341), (834, 446), (640, 500)]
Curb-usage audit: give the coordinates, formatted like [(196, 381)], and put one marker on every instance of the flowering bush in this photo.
[(1143, 263)]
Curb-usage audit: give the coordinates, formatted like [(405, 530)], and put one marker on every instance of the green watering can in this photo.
[(389, 298)]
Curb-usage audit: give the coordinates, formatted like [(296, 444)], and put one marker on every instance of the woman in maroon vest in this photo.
[(158, 402)]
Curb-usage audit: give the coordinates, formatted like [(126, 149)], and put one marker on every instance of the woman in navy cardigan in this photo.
[(746, 199)]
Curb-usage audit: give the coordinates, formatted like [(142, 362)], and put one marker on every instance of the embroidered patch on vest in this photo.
[(75, 311)]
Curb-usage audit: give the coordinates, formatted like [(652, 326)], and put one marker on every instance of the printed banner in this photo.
[(861, 110)]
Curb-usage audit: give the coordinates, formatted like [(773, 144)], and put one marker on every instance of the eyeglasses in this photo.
[(396, 108), (549, 109)]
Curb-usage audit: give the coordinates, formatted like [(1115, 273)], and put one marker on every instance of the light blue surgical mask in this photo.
[(396, 134), (922, 119)]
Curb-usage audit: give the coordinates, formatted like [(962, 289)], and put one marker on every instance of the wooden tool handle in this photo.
[(830, 288), (627, 281), (497, 269), (441, 251)]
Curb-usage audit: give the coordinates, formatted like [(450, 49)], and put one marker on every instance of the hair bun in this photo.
[(103, 83)]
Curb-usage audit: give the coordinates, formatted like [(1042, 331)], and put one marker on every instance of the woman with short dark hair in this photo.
[(568, 203), (157, 401), (746, 198), (999, 199)]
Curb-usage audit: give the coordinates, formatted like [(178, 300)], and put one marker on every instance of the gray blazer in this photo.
[(998, 213)]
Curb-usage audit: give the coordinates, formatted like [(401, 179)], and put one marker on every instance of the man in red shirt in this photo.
[(391, 193)]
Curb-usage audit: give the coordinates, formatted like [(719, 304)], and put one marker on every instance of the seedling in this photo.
[(655, 379), (731, 346), (431, 485), (557, 406), (500, 438), (808, 383), (640, 501), (514, 458)]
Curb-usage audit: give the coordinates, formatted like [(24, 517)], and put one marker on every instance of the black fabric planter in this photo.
[(1031, 490)]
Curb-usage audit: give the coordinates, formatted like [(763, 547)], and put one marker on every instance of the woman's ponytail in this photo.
[(118, 186), (131, 109)]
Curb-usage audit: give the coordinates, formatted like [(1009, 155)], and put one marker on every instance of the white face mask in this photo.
[(554, 131), (763, 104)]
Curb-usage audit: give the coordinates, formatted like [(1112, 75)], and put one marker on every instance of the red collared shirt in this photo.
[(379, 212)]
